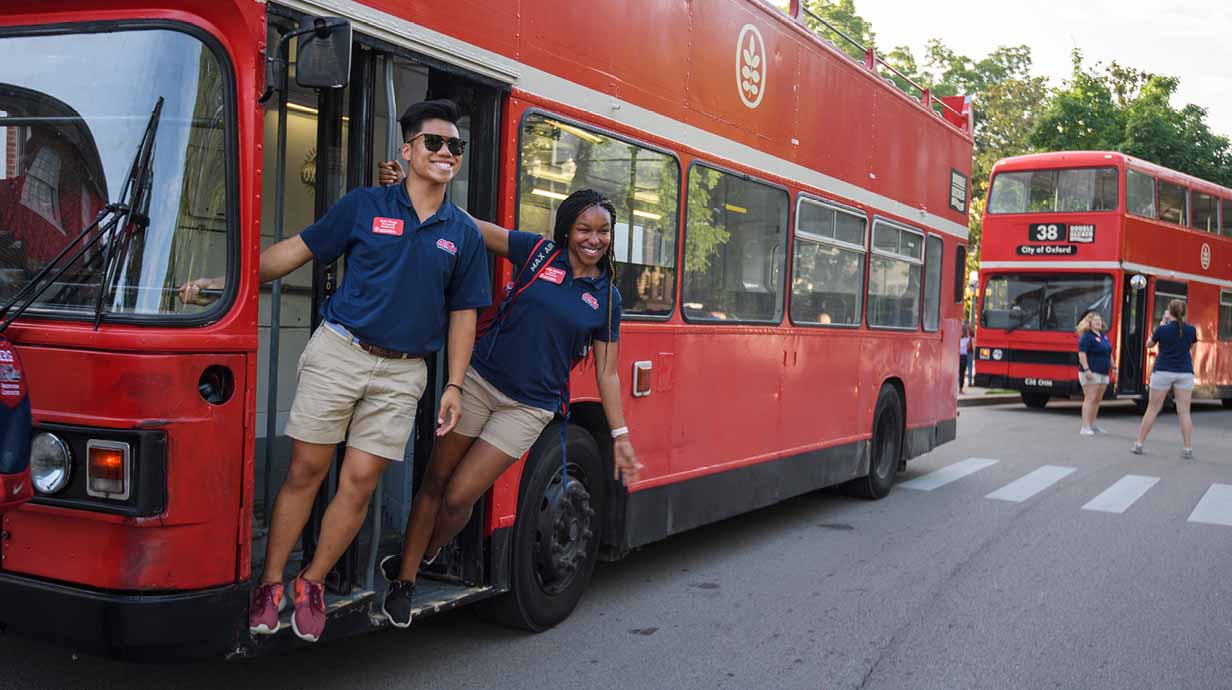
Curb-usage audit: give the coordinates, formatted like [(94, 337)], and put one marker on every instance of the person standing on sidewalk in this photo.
[(415, 264), (964, 355), (1095, 368), (1173, 371)]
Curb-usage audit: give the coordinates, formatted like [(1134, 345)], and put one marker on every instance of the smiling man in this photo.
[(415, 265)]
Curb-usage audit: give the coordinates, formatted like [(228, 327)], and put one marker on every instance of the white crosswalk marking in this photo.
[(1215, 508), (1121, 495), (1020, 490), (945, 475)]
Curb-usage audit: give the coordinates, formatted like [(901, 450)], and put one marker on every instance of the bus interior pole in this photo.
[(271, 393)]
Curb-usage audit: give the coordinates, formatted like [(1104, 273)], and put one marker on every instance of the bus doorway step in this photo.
[(360, 611)]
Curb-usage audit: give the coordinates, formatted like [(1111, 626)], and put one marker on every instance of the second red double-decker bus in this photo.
[(1073, 232), (790, 229)]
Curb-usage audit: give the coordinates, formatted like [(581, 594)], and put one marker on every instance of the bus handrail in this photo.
[(872, 60)]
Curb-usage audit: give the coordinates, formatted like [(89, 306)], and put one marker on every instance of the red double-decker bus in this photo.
[(790, 252), (1073, 232)]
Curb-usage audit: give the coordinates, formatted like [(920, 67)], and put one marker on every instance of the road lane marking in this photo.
[(1020, 490), (945, 475), (1215, 508), (1121, 495)]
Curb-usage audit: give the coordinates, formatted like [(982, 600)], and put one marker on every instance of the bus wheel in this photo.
[(1140, 404), (887, 448), (556, 536), (1035, 400)]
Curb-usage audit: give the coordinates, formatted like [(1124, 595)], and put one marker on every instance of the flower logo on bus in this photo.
[(751, 66), (1206, 256)]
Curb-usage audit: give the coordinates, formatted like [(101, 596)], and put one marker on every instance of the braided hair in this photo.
[(566, 215)]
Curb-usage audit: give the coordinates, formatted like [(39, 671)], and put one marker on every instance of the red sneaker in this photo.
[(263, 610), (308, 620)]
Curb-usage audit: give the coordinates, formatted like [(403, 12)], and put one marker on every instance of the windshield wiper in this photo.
[(137, 187), (1023, 321), (136, 198)]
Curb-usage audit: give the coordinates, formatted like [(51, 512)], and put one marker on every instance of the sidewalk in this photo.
[(972, 396)]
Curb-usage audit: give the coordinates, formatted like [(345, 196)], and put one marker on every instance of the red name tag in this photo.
[(553, 274), (387, 226)]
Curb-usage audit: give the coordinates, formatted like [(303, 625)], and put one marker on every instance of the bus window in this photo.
[(932, 283), (1172, 203), (1205, 214), (1165, 292), (894, 276), (1051, 191), (558, 158), (960, 273), (1140, 194), (1226, 217), (735, 235), (1225, 314), (1036, 302), (828, 265)]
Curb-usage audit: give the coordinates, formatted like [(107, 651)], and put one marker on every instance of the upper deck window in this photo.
[(1205, 214), (1074, 190), (72, 121), (1226, 217), (1139, 194), (1172, 200)]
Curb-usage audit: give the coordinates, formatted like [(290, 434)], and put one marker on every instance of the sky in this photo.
[(1189, 39)]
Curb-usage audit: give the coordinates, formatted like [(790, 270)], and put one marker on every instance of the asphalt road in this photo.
[(935, 587)]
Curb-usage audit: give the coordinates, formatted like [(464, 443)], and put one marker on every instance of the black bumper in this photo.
[(1058, 388), (131, 626)]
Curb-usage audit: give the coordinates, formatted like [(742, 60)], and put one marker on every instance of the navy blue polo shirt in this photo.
[(527, 356), (1099, 352), (402, 277), (1174, 340)]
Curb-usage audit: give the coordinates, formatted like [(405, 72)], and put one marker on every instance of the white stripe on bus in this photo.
[(496, 66)]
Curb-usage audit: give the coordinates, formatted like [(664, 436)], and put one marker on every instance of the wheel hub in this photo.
[(563, 533)]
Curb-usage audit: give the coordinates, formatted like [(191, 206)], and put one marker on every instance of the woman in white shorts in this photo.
[(1095, 367), (518, 377), (1173, 371)]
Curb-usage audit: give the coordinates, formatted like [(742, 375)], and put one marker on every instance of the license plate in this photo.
[(1038, 383)]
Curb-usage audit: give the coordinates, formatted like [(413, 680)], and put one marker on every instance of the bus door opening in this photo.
[(334, 140), (1131, 377)]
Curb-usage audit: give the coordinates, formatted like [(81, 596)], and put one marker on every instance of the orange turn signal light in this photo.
[(107, 469)]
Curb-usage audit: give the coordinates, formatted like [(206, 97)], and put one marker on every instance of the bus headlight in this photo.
[(51, 463)]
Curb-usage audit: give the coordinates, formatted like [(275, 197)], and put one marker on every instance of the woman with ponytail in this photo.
[(1173, 371), (562, 305)]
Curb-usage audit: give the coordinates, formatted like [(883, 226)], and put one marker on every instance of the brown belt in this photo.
[(385, 352)]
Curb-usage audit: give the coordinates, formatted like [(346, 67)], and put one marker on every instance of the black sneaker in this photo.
[(397, 604), (391, 566)]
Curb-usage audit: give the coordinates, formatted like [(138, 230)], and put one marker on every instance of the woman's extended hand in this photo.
[(388, 172), (190, 292), (625, 460)]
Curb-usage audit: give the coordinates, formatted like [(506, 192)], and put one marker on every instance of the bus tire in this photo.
[(556, 537), (886, 447), (1035, 401), (1227, 403), (1140, 404)]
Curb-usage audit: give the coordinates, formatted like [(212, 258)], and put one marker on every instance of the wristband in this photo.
[(455, 386), (617, 433)]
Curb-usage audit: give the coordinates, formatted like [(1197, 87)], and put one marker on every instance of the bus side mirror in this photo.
[(324, 57), (1138, 282)]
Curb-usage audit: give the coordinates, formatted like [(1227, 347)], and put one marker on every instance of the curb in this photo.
[(988, 400)]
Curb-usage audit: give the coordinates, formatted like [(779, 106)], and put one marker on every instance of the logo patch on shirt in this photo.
[(590, 299), (446, 245), (387, 226), (553, 274)]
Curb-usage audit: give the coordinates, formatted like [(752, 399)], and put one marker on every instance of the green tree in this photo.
[(842, 15)]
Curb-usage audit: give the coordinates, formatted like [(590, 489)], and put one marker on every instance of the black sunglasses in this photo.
[(434, 142)]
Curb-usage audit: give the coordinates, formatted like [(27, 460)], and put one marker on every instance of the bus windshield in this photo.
[(1075, 190), (70, 125), (1038, 302)]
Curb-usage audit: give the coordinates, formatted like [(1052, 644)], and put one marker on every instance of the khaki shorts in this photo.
[(1087, 378), (341, 386), (490, 415), (1163, 380)]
